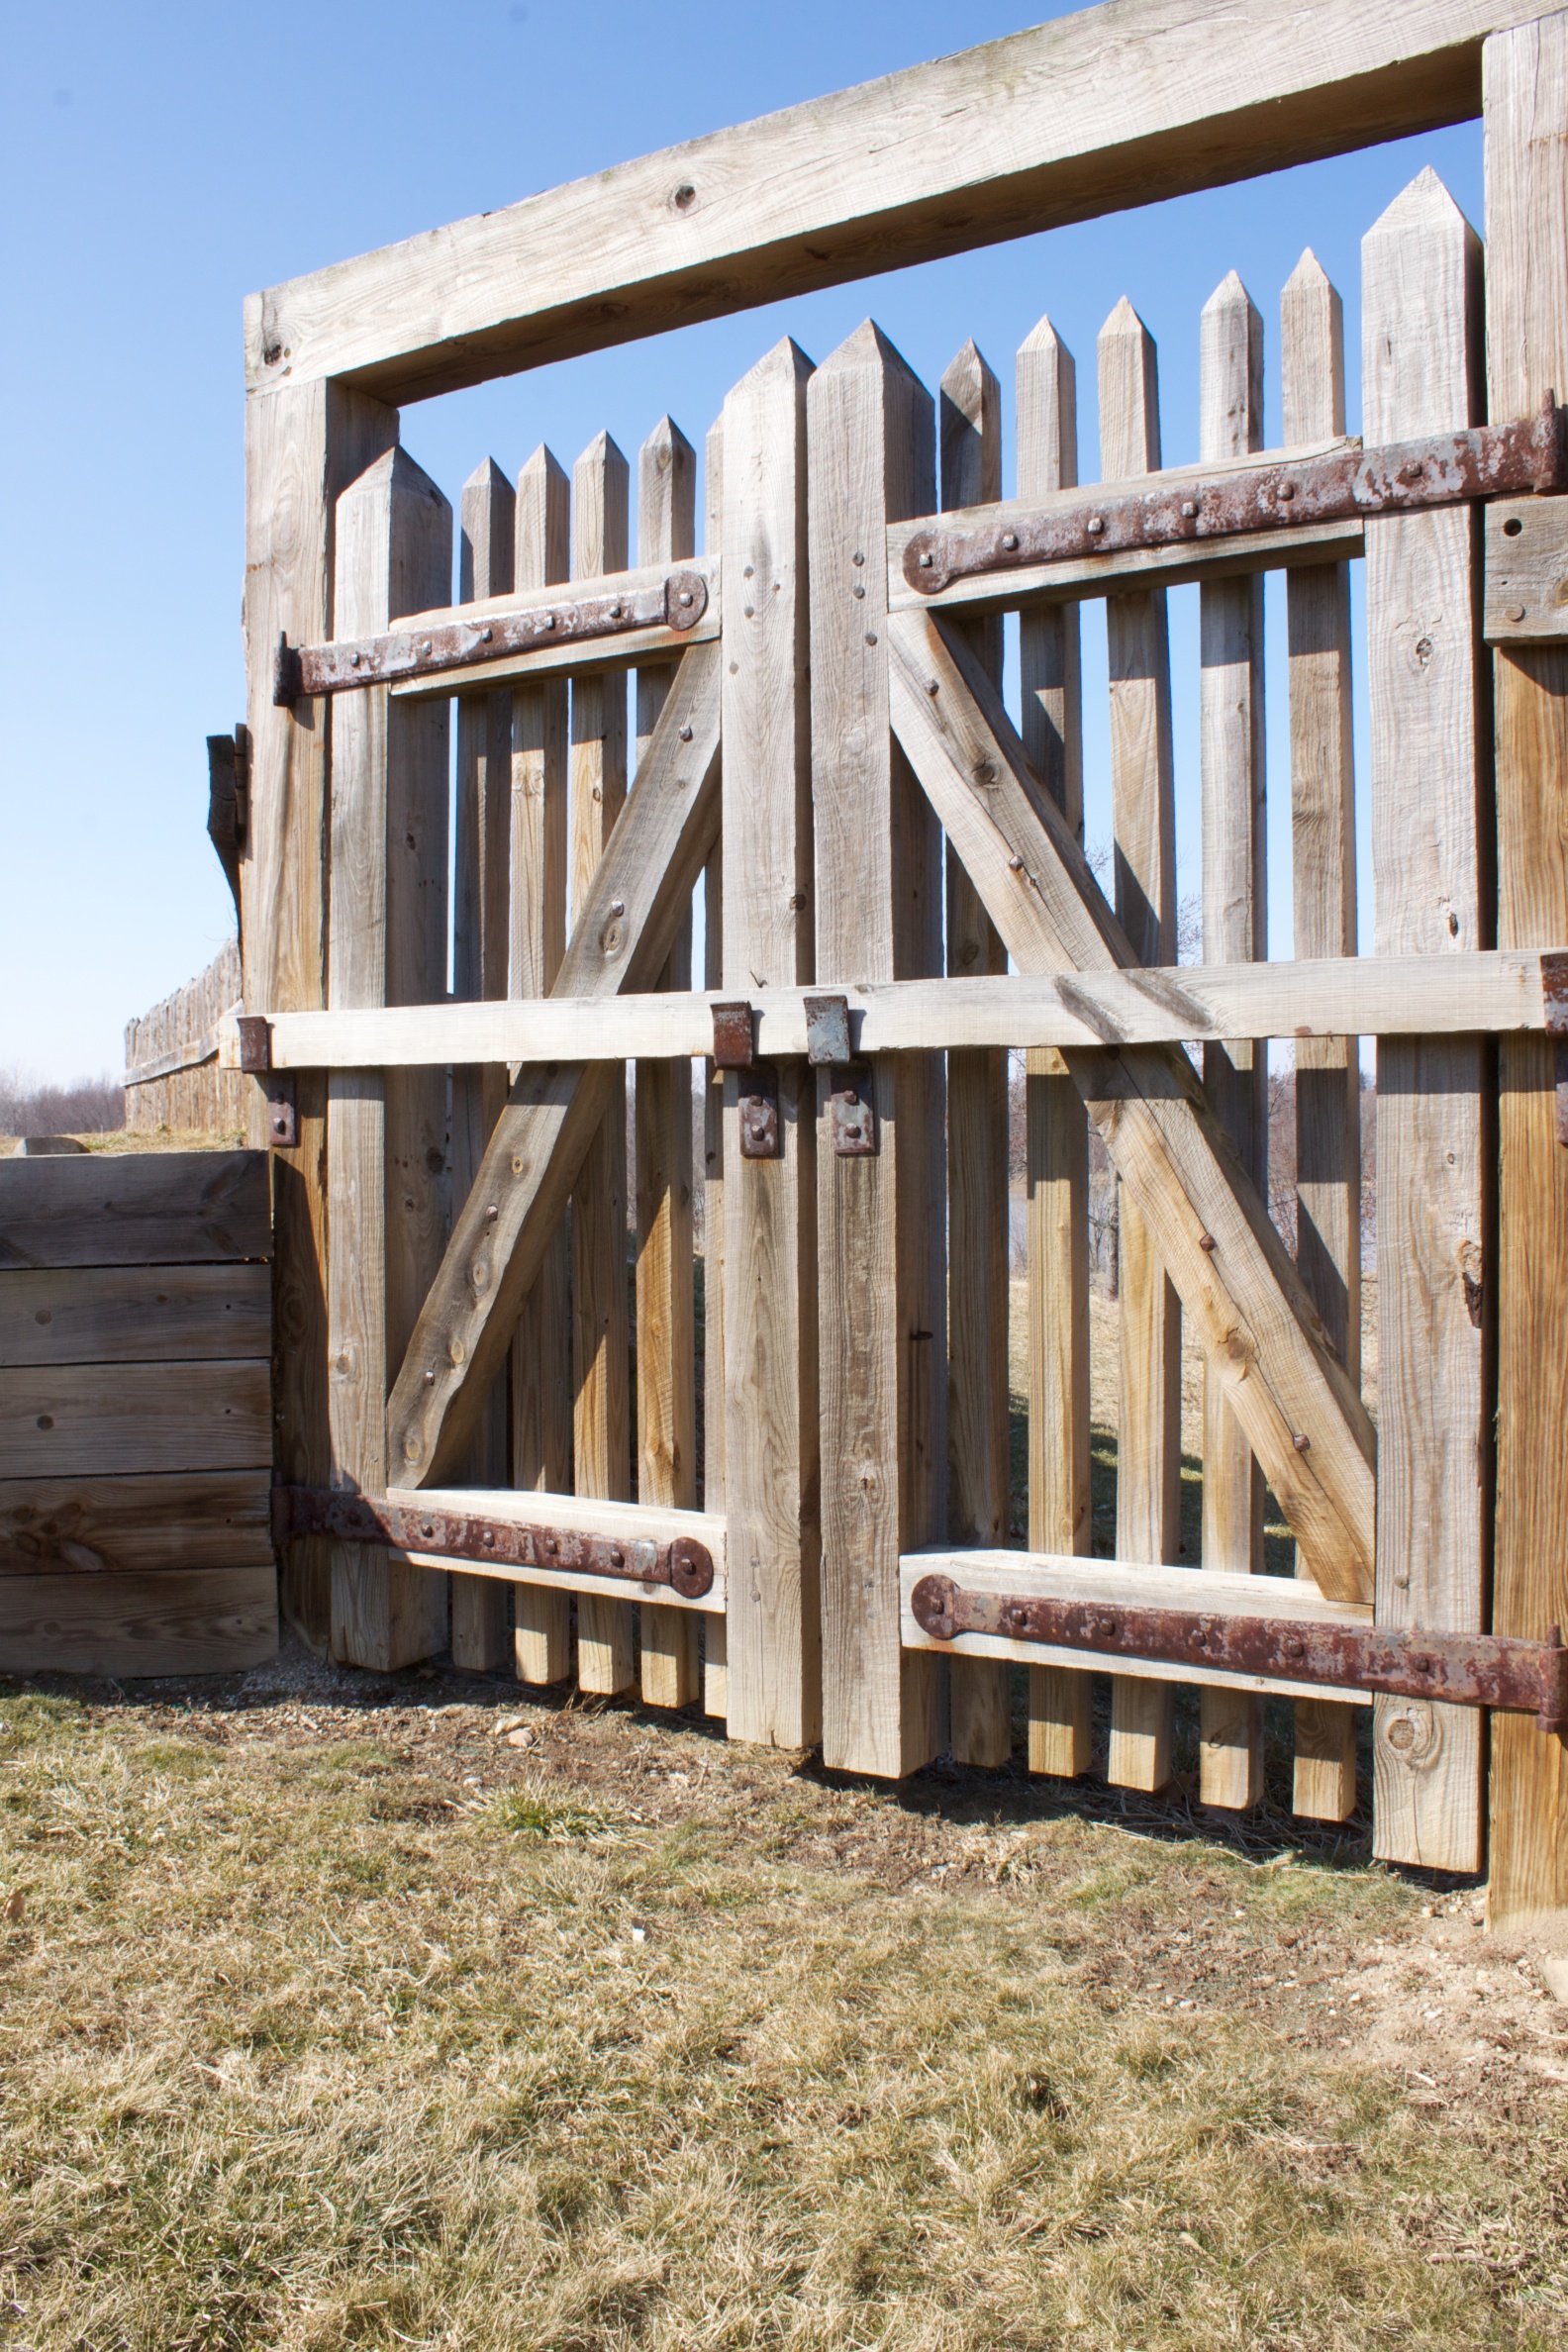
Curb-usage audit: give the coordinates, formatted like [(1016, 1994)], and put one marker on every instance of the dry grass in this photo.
[(333, 2016)]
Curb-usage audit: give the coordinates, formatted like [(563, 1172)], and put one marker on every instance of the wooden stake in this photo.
[(715, 1634), (1422, 328), (1324, 890), (1234, 931), (881, 1233), (969, 442), (1143, 820)]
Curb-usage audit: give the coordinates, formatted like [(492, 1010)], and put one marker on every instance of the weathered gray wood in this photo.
[(193, 1621), (66, 1421), (128, 1524), (135, 1313), (1421, 330), (880, 1229), (139, 1209), (1526, 571), (716, 1634)]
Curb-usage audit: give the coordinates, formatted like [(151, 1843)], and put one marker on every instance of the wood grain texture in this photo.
[(880, 1231), (993, 143), (1422, 329), (1143, 848), (969, 452), (139, 1209), (1527, 137), (68, 1420), (1234, 931), (773, 1632), (1323, 909), (125, 1526), (193, 1621), (135, 1313)]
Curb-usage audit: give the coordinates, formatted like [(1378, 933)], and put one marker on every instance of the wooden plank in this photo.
[(481, 940), (994, 142), (880, 1228), (716, 1632), (969, 448), (1143, 829), (64, 1420), (774, 1630), (385, 1138), (195, 1621), (1421, 336), (1234, 931), (1527, 570), (1324, 903), (500, 1233), (127, 1526), (1526, 121), (135, 1313), (667, 1305), (542, 1397), (136, 1208), (301, 452), (601, 1333), (1247, 1303)]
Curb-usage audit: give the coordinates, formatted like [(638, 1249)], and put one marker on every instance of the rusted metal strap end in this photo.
[(827, 1032), (684, 1565), (1456, 1669), (255, 1043), (1487, 461), (677, 602), (734, 1036)]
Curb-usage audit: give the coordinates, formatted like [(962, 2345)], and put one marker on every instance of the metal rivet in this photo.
[(1016, 864), (1515, 612), (426, 648), (430, 1380), (870, 636), (1206, 1241), (487, 1537), (685, 735), (548, 621), (859, 556), (1301, 1443), (926, 560), (615, 612), (486, 635), (1189, 507), (685, 597), (491, 1213), (1010, 539), (931, 686), (859, 588), (1287, 489), (617, 906), (353, 662), (617, 1556), (1095, 525)]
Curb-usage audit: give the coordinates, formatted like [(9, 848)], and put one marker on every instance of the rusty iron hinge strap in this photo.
[(1458, 1669), (1489, 460), (683, 1564), (678, 601)]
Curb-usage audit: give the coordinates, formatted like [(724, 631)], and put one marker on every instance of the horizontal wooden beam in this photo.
[(1115, 1583), (1345, 996), (149, 1622), (630, 1522), (1121, 105)]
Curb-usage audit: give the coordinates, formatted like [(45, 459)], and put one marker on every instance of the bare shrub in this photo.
[(86, 1107)]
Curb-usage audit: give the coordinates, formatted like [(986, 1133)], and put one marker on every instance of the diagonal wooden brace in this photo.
[(1298, 1407), (639, 897)]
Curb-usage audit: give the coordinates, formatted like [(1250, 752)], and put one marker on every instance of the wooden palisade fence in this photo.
[(896, 893)]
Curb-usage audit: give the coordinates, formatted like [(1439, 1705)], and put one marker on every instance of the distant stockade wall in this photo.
[(172, 1078)]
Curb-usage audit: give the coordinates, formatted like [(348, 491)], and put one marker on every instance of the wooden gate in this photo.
[(896, 893)]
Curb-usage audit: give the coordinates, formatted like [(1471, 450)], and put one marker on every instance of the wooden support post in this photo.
[(480, 944), (1323, 898), (601, 1337), (542, 1398), (1431, 813), (666, 1370), (386, 945), (1234, 931), (303, 447), (770, 1204), (1143, 823), (716, 1630), (1525, 79), (969, 444), (1056, 1142), (883, 1447)]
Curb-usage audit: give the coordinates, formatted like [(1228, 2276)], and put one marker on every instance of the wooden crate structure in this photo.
[(135, 1415), (819, 737)]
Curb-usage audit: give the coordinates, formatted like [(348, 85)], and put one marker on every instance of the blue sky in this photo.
[(159, 162)]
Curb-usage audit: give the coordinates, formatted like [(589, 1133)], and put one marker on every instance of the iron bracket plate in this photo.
[(828, 1031), (255, 1043), (283, 1114), (761, 1135), (851, 1115), (1455, 1669), (683, 1564), (734, 1036)]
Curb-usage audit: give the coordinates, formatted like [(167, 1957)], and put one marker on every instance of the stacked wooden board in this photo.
[(134, 1414)]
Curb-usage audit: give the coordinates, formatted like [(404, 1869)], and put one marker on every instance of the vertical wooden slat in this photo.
[(480, 955), (969, 446), (1234, 931), (1143, 822), (302, 447), (1431, 811), (884, 1450), (387, 944), (542, 1397), (770, 1209), (601, 1411), (1525, 85), (1323, 901), (667, 1408), (1056, 1140), (716, 1630)]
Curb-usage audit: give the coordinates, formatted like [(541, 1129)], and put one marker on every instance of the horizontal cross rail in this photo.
[(189, 1057), (1490, 992), (1211, 506), (499, 631)]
